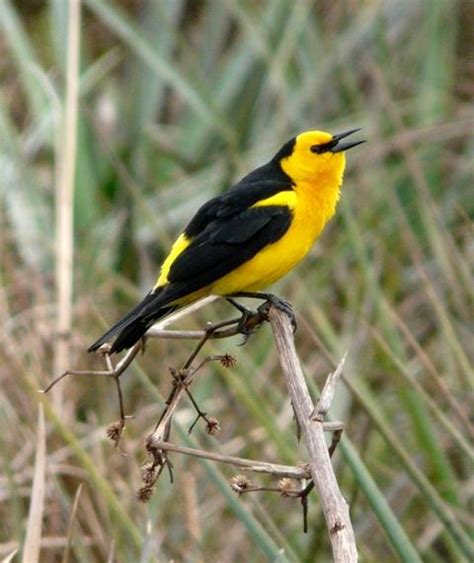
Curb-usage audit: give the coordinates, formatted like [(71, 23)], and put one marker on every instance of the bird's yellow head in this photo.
[(316, 157)]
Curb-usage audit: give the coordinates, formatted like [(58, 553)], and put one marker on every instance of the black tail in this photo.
[(134, 324)]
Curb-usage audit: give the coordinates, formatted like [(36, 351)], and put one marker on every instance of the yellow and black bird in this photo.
[(248, 237)]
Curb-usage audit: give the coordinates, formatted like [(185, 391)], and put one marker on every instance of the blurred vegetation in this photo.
[(177, 100)]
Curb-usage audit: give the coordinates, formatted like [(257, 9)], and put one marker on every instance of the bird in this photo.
[(249, 236)]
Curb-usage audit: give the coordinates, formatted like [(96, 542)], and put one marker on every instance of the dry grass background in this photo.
[(176, 100)]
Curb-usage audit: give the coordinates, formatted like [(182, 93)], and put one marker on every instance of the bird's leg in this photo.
[(242, 308), (270, 300), (250, 321), (246, 325)]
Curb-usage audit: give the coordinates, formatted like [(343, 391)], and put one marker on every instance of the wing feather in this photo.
[(261, 183), (224, 245)]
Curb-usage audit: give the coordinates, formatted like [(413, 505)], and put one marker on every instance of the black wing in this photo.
[(224, 245), (227, 231), (261, 183)]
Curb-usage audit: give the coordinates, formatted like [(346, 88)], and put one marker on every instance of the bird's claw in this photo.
[(282, 305), (251, 320), (247, 326)]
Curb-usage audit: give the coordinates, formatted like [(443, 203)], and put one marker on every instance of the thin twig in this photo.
[(111, 371), (251, 465), (187, 373), (115, 430), (328, 392)]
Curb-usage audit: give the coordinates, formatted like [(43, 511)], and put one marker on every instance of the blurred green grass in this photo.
[(177, 99)]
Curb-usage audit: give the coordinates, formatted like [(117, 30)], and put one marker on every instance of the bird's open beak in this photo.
[(340, 147)]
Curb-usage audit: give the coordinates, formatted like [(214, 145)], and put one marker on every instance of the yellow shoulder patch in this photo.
[(285, 197), (181, 243)]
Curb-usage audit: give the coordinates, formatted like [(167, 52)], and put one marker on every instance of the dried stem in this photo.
[(115, 430), (310, 420), (185, 376), (251, 465), (328, 392), (334, 506), (66, 151)]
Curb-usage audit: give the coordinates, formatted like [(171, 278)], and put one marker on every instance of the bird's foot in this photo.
[(270, 300), (249, 322), (280, 304)]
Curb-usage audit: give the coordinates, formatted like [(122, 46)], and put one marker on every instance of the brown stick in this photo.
[(334, 506), (274, 469)]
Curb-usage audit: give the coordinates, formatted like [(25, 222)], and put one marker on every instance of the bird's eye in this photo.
[(323, 147)]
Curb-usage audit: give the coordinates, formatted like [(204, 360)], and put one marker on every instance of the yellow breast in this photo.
[(310, 214)]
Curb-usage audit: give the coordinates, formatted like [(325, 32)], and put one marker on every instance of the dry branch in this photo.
[(310, 419), (274, 469), (334, 506)]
